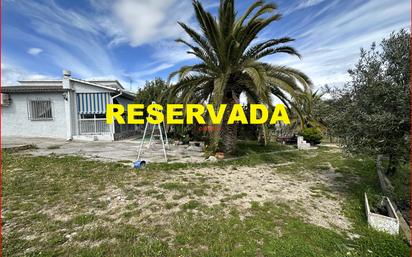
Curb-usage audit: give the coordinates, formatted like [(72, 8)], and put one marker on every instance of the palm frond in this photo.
[(264, 45), (208, 26), (270, 51), (239, 23)]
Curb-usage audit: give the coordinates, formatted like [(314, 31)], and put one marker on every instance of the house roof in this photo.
[(125, 93), (33, 89), (40, 82), (41, 86), (108, 83)]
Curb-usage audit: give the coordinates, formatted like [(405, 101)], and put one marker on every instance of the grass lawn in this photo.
[(298, 203)]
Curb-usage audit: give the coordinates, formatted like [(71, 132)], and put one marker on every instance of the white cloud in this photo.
[(10, 74), (148, 72), (309, 3), (332, 45), (208, 5), (302, 5), (34, 51), (154, 70), (76, 44), (140, 22), (79, 40), (171, 52), (329, 39)]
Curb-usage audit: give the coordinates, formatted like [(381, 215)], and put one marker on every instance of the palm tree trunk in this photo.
[(228, 133), (263, 137)]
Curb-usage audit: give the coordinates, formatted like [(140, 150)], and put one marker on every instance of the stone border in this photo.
[(387, 188), (388, 224)]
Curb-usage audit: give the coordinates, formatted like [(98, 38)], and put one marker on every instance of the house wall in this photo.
[(73, 114), (15, 121), (84, 88), (79, 87), (65, 123)]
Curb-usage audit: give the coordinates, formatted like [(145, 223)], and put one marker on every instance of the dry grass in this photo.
[(64, 206)]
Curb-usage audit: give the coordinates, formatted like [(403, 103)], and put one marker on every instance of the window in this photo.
[(92, 116), (40, 110), (5, 99)]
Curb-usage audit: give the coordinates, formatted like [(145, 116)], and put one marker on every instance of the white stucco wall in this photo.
[(15, 121), (81, 88)]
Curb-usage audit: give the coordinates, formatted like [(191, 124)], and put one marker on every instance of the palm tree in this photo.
[(229, 63), (303, 109)]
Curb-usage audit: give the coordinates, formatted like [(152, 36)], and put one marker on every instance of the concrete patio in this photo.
[(125, 150)]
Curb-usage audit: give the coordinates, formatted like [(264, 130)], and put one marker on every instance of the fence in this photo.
[(96, 126)]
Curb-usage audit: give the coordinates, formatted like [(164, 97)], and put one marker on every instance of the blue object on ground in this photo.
[(139, 164)]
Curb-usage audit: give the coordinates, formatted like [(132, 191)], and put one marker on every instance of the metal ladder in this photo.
[(159, 126)]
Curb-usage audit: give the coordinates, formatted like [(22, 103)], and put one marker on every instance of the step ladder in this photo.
[(163, 140)]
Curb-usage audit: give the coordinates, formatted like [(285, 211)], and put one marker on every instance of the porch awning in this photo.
[(92, 103)]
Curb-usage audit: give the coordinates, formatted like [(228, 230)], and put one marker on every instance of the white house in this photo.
[(69, 109)]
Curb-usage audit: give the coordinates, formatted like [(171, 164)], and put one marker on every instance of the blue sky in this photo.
[(134, 39)]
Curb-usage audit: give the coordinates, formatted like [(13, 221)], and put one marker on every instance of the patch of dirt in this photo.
[(262, 183), (316, 197), (116, 201), (55, 213)]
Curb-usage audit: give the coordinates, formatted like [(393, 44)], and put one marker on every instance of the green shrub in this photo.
[(311, 135)]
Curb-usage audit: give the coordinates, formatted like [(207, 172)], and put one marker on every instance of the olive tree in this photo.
[(372, 112)]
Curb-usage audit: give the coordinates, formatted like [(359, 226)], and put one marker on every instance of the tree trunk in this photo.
[(228, 133), (261, 136), (264, 135)]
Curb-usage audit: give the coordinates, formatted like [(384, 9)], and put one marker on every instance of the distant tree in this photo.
[(151, 91), (311, 135), (248, 131), (303, 110), (372, 113)]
